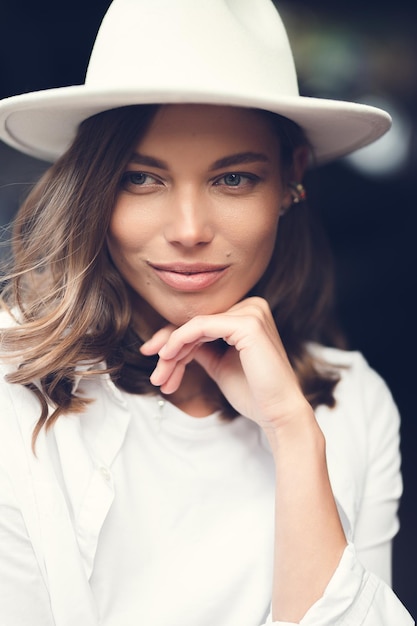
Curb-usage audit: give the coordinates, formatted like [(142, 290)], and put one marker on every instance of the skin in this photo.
[(184, 207), (187, 212)]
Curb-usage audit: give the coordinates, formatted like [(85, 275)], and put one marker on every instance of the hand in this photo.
[(254, 373), (256, 377)]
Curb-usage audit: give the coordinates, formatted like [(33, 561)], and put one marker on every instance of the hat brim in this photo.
[(43, 124)]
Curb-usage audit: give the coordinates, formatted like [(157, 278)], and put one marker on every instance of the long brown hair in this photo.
[(72, 306)]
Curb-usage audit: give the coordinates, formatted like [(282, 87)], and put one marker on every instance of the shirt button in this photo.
[(105, 472)]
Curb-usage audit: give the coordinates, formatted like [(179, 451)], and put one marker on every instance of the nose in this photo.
[(190, 222)]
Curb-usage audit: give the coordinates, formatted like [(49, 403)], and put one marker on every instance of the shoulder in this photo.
[(7, 322), (8, 319), (338, 358), (361, 431), (365, 409), (360, 385), (19, 407)]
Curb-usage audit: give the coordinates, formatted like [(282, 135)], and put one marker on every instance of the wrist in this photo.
[(298, 431)]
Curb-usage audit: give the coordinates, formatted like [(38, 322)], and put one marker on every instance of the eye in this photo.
[(232, 180), (135, 181), (137, 178), (237, 179)]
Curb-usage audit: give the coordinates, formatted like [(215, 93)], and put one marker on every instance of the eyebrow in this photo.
[(233, 159), (239, 159), (143, 159)]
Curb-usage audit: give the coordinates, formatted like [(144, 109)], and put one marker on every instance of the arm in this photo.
[(257, 379), (24, 598), (313, 582), (309, 540), (377, 521), (43, 580)]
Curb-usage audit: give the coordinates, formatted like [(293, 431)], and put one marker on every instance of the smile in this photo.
[(189, 277)]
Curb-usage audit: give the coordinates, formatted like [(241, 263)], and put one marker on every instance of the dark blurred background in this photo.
[(363, 51)]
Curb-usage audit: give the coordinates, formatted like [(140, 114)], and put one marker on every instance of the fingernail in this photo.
[(154, 378)]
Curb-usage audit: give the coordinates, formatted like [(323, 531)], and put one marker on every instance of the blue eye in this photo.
[(232, 180), (236, 180), (133, 181), (137, 178)]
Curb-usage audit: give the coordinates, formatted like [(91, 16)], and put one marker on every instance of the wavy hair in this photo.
[(73, 307)]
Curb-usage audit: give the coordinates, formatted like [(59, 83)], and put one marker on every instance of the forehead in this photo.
[(221, 127)]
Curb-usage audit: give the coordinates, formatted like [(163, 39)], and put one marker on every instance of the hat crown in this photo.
[(200, 45), (223, 52)]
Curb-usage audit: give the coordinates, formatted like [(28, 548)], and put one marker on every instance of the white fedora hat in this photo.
[(226, 52)]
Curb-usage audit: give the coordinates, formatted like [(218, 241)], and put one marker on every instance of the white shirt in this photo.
[(138, 514)]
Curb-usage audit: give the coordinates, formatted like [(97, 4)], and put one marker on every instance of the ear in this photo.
[(301, 161), (296, 174)]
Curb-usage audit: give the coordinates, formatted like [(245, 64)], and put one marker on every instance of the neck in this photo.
[(198, 395)]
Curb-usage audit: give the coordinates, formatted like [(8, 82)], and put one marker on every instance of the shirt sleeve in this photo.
[(42, 580), (354, 597), (377, 520), (359, 593), (24, 598)]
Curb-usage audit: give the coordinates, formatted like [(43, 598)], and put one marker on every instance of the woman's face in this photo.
[(195, 222)]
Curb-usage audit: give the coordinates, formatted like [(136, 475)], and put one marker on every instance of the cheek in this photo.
[(117, 246), (259, 239), (126, 233), (264, 252)]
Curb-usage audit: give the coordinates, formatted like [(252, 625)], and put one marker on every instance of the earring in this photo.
[(298, 192)]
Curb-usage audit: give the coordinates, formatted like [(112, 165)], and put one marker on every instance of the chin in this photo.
[(182, 314)]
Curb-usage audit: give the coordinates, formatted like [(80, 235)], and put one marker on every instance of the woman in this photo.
[(152, 419)]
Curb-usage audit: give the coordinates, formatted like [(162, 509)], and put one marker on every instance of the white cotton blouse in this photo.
[(135, 513)]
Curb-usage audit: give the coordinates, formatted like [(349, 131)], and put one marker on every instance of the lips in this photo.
[(189, 277)]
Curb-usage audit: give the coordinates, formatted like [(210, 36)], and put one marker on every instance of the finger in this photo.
[(169, 373), (169, 384), (200, 329), (155, 343), (187, 350)]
